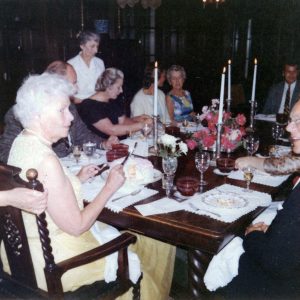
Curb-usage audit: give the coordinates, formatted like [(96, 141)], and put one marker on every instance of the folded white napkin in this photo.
[(268, 118), (224, 266), (91, 189), (162, 206), (243, 202), (104, 233), (260, 177), (141, 147)]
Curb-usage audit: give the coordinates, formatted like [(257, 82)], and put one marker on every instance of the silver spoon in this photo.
[(202, 209)]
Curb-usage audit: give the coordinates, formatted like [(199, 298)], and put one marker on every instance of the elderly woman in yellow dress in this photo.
[(42, 106)]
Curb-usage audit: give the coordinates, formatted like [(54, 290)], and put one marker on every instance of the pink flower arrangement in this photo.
[(233, 129)]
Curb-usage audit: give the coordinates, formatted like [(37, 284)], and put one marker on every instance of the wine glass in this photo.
[(89, 149), (277, 132), (202, 160), (185, 124), (248, 176), (169, 165), (251, 144), (77, 153), (146, 131), (197, 120)]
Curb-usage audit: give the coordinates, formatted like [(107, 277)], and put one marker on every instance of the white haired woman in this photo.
[(179, 101), (103, 113), (42, 106), (87, 66)]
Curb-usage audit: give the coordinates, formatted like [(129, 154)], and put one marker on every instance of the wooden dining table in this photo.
[(202, 236)]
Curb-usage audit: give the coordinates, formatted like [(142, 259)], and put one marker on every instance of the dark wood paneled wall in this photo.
[(35, 32)]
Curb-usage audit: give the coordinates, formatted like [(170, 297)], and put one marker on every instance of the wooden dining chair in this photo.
[(13, 235)]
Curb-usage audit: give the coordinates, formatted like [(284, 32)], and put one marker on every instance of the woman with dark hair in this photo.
[(142, 102), (103, 113), (87, 66)]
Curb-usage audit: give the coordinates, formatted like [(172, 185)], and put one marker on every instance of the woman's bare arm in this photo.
[(62, 203)]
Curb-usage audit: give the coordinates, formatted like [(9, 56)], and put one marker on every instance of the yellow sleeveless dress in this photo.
[(157, 258)]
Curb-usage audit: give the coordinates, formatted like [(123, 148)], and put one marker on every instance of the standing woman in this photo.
[(103, 113), (179, 101), (87, 66)]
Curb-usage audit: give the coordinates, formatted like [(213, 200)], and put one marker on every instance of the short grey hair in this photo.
[(108, 78), (176, 68), (87, 35), (35, 94)]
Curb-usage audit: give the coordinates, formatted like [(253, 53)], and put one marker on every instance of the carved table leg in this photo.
[(197, 264)]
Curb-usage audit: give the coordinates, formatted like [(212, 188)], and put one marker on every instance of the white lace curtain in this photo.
[(145, 3)]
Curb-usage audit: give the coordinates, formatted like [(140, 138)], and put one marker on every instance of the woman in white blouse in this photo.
[(87, 66)]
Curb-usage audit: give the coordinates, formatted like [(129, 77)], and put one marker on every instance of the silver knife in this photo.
[(129, 154)]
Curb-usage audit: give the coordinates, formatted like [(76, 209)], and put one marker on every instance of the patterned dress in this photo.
[(183, 106)]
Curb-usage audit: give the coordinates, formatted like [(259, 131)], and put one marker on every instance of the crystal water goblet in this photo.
[(251, 144), (169, 165), (76, 153), (202, 160), (248, 176), (89, 149), (277, 132)]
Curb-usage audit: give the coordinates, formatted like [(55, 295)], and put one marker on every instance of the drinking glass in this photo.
[(185, 124), (251, 144), (197, 120), (248, 176), (77, 153), (89, 149), (169, 165), (277, 132), (202, 160), (146, 131)]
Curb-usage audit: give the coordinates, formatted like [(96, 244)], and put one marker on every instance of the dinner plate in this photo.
[(157, 175), (228, 200)]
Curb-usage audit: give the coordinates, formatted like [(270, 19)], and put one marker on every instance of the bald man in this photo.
[(78, 133)]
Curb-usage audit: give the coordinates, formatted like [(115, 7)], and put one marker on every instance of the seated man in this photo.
[(142, 103), (283, 96), (78, 134), (270, 266)]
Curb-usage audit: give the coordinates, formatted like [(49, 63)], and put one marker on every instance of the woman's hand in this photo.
[(110, 141), (115, 179), (29, 200), (261, 226), (87, 172)]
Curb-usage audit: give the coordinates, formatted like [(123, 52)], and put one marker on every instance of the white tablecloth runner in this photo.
[(260, 177)]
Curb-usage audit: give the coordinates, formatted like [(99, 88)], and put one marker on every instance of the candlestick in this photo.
[(254, 80), (155, 89), (229, 79), (221, 96)]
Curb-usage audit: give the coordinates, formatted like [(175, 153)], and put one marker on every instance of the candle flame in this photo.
[(224, 70), (229, 61), (156, 64), (255, 61)]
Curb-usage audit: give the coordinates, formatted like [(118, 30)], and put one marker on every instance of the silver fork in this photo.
[(130, 194), (202, 209)]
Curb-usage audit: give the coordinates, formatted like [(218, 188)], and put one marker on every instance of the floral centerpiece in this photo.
[(232, 133), (170, 146)]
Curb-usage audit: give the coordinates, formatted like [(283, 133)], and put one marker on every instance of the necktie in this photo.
[(287, 100)]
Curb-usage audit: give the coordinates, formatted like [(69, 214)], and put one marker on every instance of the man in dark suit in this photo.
[(284, 93), (270, 266)]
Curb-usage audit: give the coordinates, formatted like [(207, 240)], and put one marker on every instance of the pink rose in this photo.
[(226, 116), (209, 141), (226, 143), (191, 144), (240, 119)]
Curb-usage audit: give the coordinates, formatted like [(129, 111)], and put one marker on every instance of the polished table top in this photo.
[(181, 227)]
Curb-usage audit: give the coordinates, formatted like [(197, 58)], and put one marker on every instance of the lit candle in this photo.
[(221, 97), (155, 89), (254, 80), (229, 80)]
